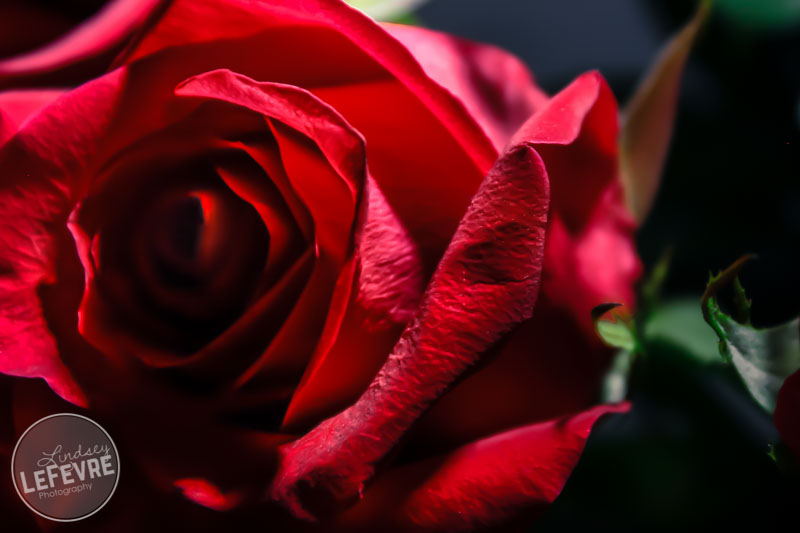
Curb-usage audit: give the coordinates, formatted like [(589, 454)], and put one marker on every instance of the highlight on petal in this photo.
[(650, 116), (486, 283), (205, 493), (16, 107)]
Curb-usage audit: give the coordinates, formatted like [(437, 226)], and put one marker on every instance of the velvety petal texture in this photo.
[(486, 283)]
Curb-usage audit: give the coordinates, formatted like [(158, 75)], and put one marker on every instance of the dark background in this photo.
[(692, 454), (732, 181)]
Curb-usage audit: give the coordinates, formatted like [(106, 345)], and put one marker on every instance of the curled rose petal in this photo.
[(96, 40), (486, 283)]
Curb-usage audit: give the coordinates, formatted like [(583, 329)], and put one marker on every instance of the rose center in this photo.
[(186, 241)]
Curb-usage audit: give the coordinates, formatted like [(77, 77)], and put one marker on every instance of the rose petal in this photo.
[(342, 146), (242, 459), (396, 127), (18, 106), (590, 257), (36, 196), (482, 486), (183, 23), (356, 341), (486, 283), (286, 238), (205, 493), (576, 135), (355, 66), (496, 87), (597, 265), (303, 126), (82, 53), (390, 281)]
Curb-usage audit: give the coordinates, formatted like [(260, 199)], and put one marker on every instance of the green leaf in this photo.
[(680, 323), (762, 14), (386, 10), (617, 334), (763, 358), (620, 334), (648, 119)]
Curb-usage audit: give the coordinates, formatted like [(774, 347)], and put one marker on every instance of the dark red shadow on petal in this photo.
[(787, 413)]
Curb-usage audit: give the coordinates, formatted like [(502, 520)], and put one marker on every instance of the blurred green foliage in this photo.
[(762, 14)]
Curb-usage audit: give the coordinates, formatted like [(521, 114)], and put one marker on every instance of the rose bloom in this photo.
[(310, 272)]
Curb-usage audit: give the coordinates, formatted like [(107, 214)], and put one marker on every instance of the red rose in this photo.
[(290, 258)]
